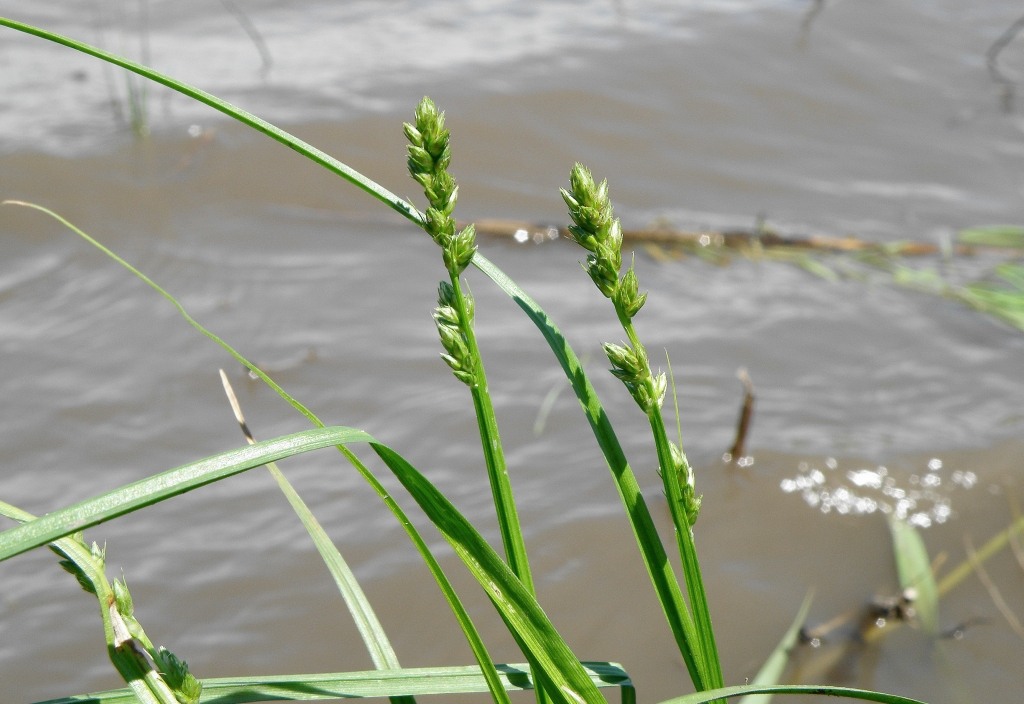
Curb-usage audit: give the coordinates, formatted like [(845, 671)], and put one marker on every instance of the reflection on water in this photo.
[(922, 499)]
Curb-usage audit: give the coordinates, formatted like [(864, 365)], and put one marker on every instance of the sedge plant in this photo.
[(555, 668)]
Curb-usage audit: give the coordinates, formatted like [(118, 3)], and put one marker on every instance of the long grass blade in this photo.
[(166, 485), (847, 692), (354, 685), (773, 668), (513, 600), (369, 626)]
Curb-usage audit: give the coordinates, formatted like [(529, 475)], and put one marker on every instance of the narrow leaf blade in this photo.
[(166, 485)]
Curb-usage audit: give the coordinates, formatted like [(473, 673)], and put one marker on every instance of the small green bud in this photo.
[(452, 339), (582, 183), (459, 251), (123, 599), (175, 673), (445, 295), (570, 201), (420, 161), (440, 225), (603, 273), (98, 553), (442, 192), (447, 316), (659, 384), (584, 238), (412, 134), (627, 364), (627, 297), (614, 238), (691, 501)]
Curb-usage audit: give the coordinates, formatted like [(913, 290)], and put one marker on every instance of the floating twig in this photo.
[(738, 239)]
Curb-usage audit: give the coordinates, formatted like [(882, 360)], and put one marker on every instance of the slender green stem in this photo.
[(494, 456), (670, 474), (692, 575)]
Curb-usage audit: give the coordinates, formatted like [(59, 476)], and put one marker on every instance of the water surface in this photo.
[(878, 121)]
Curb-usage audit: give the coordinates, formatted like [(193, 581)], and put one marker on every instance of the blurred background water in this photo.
[(878, 120)]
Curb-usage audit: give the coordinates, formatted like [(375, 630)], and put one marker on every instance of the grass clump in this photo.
[(556, 672)]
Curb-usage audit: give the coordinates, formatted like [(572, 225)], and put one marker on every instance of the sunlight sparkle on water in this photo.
[(921, 499)]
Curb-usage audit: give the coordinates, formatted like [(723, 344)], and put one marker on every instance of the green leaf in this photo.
[(370, 628), (168, 484), (848, 692), (915, 573), (517, 606), (390, 683), (773, 668)]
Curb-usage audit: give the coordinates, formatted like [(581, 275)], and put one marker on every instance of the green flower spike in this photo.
[(429, 157), (595, 228)]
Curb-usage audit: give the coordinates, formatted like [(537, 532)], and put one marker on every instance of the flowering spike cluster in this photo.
[(454, 341), (687, 491), (598, 231), (429, 157)]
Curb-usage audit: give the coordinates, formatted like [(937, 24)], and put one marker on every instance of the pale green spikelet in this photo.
[(449, 327), (175, 673), (688, 495)]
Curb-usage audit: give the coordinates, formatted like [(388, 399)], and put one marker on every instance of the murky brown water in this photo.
[(881, 121)]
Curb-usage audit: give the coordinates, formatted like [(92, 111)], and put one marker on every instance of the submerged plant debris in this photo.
[(950, 269)]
